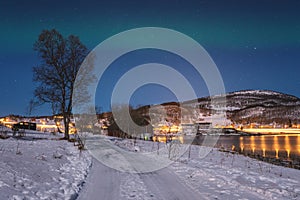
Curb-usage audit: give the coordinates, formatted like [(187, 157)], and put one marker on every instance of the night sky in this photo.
[(255, 44)]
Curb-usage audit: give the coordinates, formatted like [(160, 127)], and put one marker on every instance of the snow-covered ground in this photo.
[(39, 166), (219, 175), (42, 167), (231, 176)]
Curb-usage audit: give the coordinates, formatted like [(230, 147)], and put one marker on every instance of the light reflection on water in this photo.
[(298, 142), (277, 146)]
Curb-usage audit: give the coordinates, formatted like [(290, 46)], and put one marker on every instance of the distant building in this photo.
[(203, 127), (189, 128)]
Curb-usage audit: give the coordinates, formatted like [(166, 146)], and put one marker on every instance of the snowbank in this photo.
[(39, 166)]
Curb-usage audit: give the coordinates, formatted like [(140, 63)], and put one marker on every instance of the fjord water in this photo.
[(275, 146)]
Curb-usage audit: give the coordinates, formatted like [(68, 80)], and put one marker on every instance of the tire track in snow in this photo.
[(165, 185)]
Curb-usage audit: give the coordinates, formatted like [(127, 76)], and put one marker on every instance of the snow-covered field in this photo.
[(39, 166), (222, 175), (47, 168)]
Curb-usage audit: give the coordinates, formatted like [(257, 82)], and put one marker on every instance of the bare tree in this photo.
[(31, 107), (127, 121), (61, 59)]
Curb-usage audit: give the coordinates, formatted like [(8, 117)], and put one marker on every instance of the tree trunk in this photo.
[(66, 124)]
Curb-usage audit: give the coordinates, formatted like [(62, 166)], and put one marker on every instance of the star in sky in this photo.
[(242, 38)]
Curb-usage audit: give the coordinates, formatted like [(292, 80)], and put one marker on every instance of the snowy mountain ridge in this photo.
[(246, 106)]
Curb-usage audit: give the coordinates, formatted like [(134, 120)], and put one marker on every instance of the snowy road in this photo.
[(218, 176), (106, 183), (102, 183), (164, 184)]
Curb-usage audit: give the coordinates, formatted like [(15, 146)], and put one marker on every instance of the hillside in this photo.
[(248, 106), (241, 107), (263, 107)]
